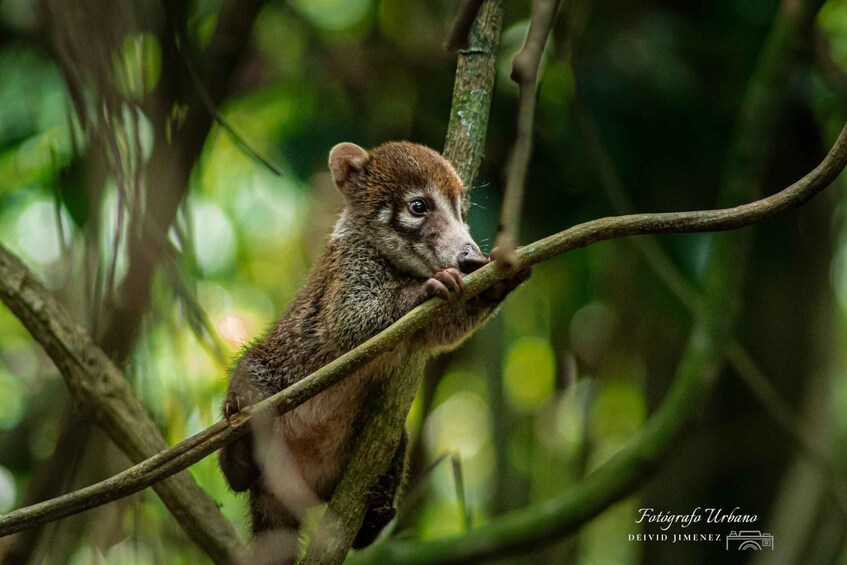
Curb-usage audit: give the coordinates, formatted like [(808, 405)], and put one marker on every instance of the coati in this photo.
[(400, 240)]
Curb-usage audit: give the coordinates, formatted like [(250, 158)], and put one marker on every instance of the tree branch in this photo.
[(633, 459), (222, 122), (525, 67), (374, 449)]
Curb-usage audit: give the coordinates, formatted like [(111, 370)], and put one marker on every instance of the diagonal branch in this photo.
[(620, 470)]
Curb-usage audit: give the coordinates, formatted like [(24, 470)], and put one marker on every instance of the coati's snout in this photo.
[(409, 202), (471, 259)]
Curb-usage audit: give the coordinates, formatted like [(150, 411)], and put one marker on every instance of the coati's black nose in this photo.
[(471, 259)]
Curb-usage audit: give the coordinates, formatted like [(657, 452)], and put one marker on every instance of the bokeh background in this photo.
[(636, 98)]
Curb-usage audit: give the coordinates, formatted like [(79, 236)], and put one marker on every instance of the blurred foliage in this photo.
[(573, 365)]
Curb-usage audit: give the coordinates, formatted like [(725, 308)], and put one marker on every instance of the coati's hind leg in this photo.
[(238, 465), (381, 497), (237, 460)]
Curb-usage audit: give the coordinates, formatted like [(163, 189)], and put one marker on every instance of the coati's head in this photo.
[(406, 199)]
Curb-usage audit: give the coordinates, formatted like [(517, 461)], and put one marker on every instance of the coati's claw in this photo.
[(446, 284), (232, 406), (236, 402)]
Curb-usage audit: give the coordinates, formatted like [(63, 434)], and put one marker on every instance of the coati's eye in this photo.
[(418, 206)]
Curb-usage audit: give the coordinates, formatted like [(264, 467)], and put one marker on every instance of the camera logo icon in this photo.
[(749, 540)]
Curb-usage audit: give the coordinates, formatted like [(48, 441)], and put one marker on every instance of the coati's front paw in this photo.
[(375, 521), (446, 284), (238, 465), (500, 289)]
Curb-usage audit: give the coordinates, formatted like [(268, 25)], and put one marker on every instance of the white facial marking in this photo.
[(409, 221), (414, 262), (441, 203), (384, 216), (422, 249)]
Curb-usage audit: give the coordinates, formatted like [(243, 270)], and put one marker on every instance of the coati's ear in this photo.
[(345, 160)]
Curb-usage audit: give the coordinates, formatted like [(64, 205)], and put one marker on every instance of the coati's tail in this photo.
[(275, 531)]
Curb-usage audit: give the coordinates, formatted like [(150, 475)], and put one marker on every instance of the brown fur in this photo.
[(381, 261), (395, 167)]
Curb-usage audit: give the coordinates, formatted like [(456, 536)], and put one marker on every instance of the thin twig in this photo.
[(15, 279), (216, 115), (461, 495), (778, 409), (525, 67), (417, 489)]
